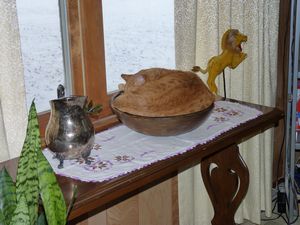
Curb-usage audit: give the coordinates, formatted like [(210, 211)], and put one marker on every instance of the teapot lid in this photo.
[(70, 100)]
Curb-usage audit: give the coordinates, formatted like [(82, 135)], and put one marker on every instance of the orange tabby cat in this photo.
[(161, 92)]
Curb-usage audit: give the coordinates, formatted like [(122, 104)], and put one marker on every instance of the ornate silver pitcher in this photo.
[(69, 133)]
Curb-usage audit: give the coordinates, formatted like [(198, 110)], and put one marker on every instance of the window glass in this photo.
[(41, 50), (138, 34)]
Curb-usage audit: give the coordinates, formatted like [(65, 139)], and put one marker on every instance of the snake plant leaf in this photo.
[(42, 219), (21, 214), (52, 197), (27, 175), (71, 204), (7, 195), (2, 219)]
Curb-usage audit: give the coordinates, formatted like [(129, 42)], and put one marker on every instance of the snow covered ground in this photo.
[(41, 50), (138, 34)]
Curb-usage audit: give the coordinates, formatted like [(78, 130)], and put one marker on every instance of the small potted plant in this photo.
[(35, 197)]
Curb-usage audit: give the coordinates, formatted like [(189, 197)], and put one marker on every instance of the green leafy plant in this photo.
[(36, 197), (93, 109)]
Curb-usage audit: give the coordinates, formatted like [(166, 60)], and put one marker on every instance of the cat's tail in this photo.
[(199, 69)]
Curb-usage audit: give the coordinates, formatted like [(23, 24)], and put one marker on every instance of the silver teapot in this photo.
[(69, 132)]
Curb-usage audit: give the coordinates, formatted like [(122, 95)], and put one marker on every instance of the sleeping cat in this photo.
[(159, 92)]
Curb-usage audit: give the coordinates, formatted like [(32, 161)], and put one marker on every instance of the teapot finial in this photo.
[(60, 91)]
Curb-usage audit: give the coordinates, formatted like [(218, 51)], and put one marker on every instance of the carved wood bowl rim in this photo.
[(161, 125)]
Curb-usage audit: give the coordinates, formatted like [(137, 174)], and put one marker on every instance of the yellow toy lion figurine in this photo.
[(231, 56)]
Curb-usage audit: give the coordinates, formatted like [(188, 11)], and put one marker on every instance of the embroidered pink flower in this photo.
[(233, 113), (99, 166), (220, 109), (97, 147), (124, 158), (220, 119), (81, 161)]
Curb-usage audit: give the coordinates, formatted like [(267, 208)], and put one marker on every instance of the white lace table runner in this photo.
[(120, 150)]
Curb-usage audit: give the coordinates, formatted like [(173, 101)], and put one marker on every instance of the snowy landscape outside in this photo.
[(138, 34)]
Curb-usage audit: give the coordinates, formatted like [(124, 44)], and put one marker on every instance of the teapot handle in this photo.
[(60, 91)]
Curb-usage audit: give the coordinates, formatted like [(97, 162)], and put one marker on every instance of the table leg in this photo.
[(226, 178)]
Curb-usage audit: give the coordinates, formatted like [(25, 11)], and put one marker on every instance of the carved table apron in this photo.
[(226, 178)]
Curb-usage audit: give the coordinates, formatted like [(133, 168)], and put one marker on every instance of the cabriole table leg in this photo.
[(226, 178)]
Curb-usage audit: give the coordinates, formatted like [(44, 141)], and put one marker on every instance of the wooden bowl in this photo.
[(162, 126)]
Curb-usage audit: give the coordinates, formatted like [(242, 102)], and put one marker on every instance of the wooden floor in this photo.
[(278, 221), (273, 222)]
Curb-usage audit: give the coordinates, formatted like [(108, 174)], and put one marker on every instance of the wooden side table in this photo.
[(224, 172)]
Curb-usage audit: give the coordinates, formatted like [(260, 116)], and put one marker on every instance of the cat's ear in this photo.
[(126, 76), (139, 80)]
